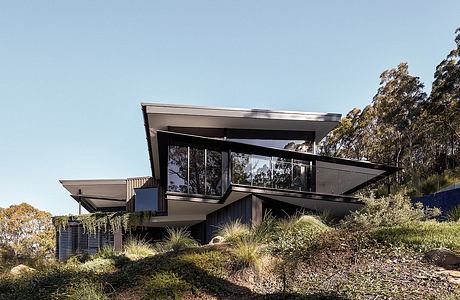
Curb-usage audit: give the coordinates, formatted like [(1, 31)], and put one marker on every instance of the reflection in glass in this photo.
[(241, 167), (300, 175), (196, 171), (213, 173), (282, 173), (177, 169), (261, 171)]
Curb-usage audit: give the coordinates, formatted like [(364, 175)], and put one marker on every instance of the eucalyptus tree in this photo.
[(443, 111)]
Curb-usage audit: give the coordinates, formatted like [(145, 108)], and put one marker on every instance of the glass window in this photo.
[(300, 176), (282, 173), (197, 171), (213, 173), (261, 171), (146, 199), (177, 169), (241, 168), (293, 145)]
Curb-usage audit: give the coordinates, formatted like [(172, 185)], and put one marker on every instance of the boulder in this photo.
[(217, 240), (443, 257), (21, 269)]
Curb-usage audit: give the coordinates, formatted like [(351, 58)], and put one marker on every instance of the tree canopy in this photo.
[(26, 231), (403, 125)]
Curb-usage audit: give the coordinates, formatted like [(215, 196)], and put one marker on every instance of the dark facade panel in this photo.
[(248, 210)]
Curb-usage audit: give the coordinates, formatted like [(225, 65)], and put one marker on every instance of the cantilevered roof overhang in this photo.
[(103, 195), (164, 117)]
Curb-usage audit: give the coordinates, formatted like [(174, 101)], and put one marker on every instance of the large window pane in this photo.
[(282, 173), (177, 169), (197, 171), (241, 168), (146, 199), (213, 173), (261, 171), (300, 176)]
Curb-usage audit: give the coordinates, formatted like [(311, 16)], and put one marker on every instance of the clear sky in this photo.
[(73, 73)]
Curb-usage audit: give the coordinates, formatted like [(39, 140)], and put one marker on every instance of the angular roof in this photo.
[(162, 117)]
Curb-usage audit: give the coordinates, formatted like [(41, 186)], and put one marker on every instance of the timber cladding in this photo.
[(248, 210)]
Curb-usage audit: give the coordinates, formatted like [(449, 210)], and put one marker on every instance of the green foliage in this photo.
[(434, 183), (454, 214), (177, 239), (105, 222), (248, 253), (166, 285), (234, 231), (99, 265), (26, 232), (421, 236), (296, 236), (388, 211), (106, 251), (136, 249), (87, 290), (403, 126)]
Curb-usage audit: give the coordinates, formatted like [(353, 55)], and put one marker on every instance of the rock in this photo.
[(443, 257), (217, 240), (451, 273), (21, 269)]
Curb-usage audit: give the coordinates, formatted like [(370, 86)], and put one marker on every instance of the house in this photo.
[(212, 165)]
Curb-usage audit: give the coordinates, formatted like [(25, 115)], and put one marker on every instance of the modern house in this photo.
[(211, 165)]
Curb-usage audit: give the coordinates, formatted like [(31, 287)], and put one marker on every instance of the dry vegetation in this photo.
[(300, 257)]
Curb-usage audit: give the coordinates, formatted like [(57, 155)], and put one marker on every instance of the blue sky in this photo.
[(73, 73)]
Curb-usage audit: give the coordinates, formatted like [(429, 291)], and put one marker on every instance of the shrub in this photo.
[(106, 251), (99, 265), (295, 236), (264, 231), (177, 239), (136, 249), (421, 236), (166, 285), (388, 211), (87, 290), (247, 252), (435, 182), (234, 231), (454, 214)]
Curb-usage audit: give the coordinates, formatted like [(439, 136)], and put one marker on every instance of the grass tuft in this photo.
[(87, 290), (177, 239), (136, 249), (454, 214), (248, 253), (234, 231)]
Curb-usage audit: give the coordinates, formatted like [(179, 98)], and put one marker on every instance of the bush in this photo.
[(99, 265), (454, 214), (166, 285), (296, 236), (421, 236), (388, 211), (234, 231), (136, 249), (106, 251), (247, 252), (177, 239), (434, 183), (87, 290)]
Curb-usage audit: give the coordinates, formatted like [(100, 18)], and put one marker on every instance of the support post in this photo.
[(79, 202), (118, 240)]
